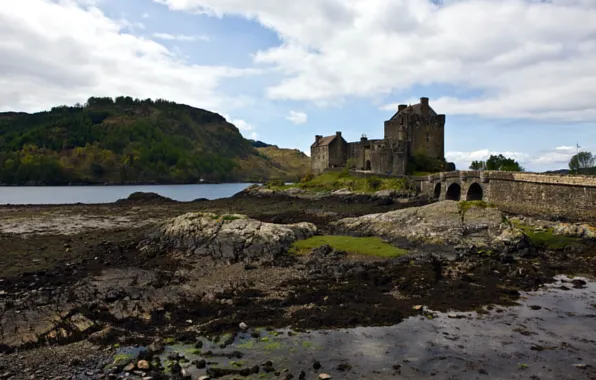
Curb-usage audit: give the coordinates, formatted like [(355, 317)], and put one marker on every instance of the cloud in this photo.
[(554, 158), (246, 129), (297, 117), (145, 15), (462, 160), (64, 52), (180, 37), (524, 59)]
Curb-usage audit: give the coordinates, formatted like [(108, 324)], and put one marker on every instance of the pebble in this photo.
[(324, 376), (143, 364), (243, 326), (129, 367)]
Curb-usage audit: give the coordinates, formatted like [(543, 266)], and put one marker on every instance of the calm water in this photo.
[(107, 194), (550, 335)]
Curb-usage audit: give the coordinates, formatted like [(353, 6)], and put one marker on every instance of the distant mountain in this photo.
[(125, 140)]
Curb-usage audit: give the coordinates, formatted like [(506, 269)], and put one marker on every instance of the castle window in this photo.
[(427, 137)]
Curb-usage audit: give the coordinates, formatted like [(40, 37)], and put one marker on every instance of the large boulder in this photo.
[(438, 224), (225, 239)]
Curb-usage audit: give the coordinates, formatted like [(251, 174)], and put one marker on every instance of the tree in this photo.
[(499, 162), (581, 161), (478, 165)]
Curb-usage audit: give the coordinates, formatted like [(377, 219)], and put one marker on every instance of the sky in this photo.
[(516, 77)]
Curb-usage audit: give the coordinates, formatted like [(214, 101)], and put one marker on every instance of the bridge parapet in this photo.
[(570, 196)]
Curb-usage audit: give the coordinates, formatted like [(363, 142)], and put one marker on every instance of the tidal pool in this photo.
[(551, 334)]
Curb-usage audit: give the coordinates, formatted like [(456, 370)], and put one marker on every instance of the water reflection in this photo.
[(550, 335)]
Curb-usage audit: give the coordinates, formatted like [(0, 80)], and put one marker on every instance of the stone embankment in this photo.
[(386, 197)]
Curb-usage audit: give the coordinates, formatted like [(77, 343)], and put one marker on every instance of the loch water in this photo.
[(20, 195)]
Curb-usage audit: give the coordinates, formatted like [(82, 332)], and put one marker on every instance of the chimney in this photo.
[(317, 138), (401, 107), (424, 108), (338, 134)]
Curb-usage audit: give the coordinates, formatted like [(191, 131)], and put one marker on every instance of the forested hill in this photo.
[(125, 140)]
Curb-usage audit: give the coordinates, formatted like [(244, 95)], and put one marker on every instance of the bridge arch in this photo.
[(475, 192), (453, 192), (437, 191)]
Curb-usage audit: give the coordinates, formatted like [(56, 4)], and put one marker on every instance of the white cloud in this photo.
[(527, 59), (180, 37), (62, 53), (246, 129), (554, 158), (297, 117), (462, 160), (145, 15)]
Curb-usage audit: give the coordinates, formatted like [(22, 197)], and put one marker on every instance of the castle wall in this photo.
[(427, 134), (338, 150), (319, 159), (355, 152)]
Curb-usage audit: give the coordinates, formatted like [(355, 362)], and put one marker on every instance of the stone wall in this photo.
[(566, 196)]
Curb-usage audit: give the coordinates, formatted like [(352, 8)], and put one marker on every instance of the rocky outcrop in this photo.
[(225, 239), (143, 198), (385, 197), (439, 224), (57, 315)]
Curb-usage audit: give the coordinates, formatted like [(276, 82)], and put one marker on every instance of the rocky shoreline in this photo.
[(88, 279)]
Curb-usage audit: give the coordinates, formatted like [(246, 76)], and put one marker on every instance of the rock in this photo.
[(584, 231), (324, 376), (143, 364), (142, 197), (129, 367), (344, 191), (438, 224), (155, 348), (204, 378), (243, 326), (316, 365), (225, 239)]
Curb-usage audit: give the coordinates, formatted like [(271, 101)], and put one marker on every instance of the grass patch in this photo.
[(331, 181), (546, 238), (371, 246)]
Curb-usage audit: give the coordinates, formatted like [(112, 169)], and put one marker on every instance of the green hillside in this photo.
[(126, 140)]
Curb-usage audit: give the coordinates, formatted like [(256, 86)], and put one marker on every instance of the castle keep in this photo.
[(412, 129)]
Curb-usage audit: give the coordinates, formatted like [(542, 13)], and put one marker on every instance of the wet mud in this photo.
[(88, 275)]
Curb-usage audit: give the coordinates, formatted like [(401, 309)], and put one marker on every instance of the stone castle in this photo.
[(412, 129)]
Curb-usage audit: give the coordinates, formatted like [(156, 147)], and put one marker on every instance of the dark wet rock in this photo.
[(225, 239), (344, 367), (316, 365), (145, 197)]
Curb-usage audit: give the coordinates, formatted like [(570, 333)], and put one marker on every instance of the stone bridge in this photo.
[(569, 196), (458, 185)]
